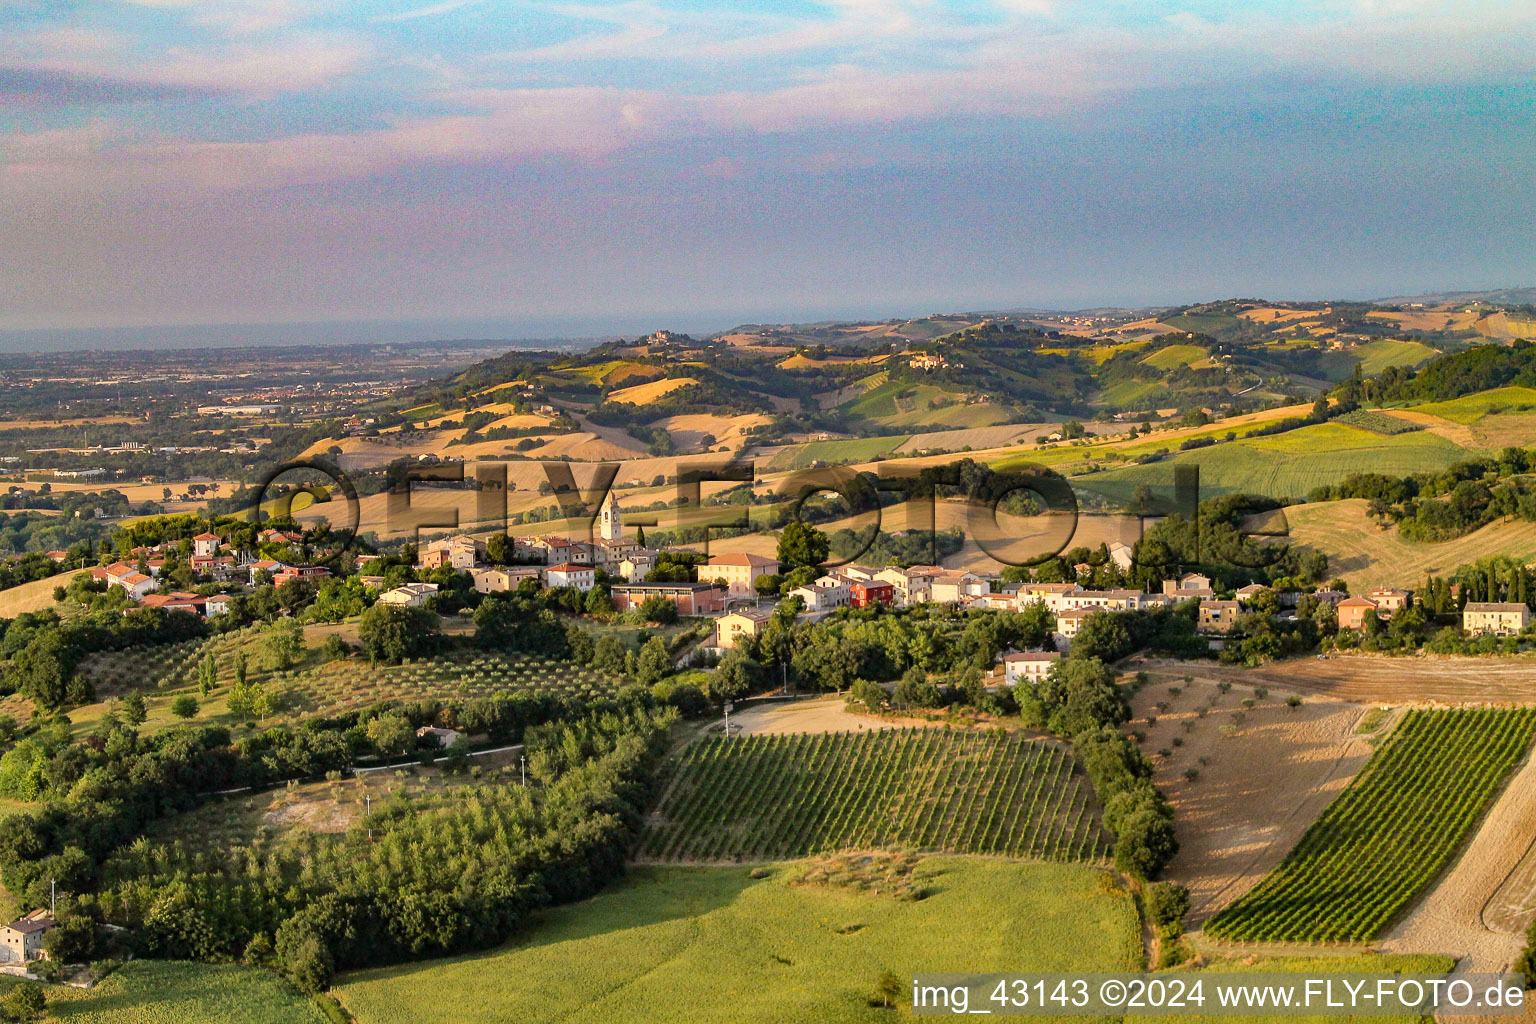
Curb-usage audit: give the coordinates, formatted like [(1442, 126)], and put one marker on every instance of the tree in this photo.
[(44, 668), (653, 663), (283, 645), (207, 675), (802, 544), (26, 1002), (73, 941), (260, 701), (887, 989), (392, 632), (660, 610), (134, 709), (736, 674), (184, 706), (916, 691), (599, 602), (869, 693), (240, 667), (391, 733)]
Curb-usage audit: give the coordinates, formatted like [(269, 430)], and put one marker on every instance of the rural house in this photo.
[(1499, 618)]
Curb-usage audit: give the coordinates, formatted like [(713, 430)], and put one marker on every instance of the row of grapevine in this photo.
[(1388, 834), (760, 798), (347, 685)]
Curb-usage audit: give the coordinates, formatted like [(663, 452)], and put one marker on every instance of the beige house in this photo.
[(412, 595), (1191, 584), (1219, 616), (498, 580), (1028, 666), (955, 587), (1389, 600), (1500, 618), (1068, 622), (22, 939), (739, 571), (732, 626)]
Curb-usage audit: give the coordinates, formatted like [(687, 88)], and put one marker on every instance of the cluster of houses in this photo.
[(727, 587)]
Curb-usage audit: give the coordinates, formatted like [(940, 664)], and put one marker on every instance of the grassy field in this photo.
[(1175, 356), (1289, 464), (858, 449), (1388, 834), (1364, 964), (1471, 408), (764, 798), (30, 597), (1367, 556), (166, 992), (717, 944), (1378, 355)]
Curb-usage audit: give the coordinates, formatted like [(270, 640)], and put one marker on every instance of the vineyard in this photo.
[(761, 798), (353, 683), (1388, 834)]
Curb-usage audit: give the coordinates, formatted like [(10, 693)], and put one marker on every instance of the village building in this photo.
[(571, 574), (22, 939), (740, 571), (1498, 618), (1028, 666), (411, 595), (864, 593), (442, 737), (1353, 610), (732, 626), (1219, 616), (690, 598)]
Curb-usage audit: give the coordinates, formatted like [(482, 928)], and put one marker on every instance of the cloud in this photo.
[(299, 62), (44, 88), (430, 11)]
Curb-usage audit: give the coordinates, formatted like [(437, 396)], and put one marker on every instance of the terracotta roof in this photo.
[(569, 567), (1495, 606), (742, 558)]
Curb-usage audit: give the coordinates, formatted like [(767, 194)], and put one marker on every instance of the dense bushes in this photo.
[(440, 875), (1082, 702)]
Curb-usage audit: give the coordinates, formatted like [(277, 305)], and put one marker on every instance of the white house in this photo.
[(1028, 666), (569, 574)]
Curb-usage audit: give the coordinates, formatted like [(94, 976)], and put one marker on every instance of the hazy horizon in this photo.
[(280, 161)]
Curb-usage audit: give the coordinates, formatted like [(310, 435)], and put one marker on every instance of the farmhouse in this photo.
[(22, 939), (1389, 600), (1219, 616), (1499, 618), (690, 598), (504, 578), (206, 545), (1028, 666), (1189, 585), (823, 595), (442, 737), (740, 571), (954, 587)]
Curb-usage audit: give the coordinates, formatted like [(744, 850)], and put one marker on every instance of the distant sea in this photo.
[(565, 332)]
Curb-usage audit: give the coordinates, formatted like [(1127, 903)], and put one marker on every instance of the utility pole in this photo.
[(367, 810), (523, 763), (728, 706), (53, 897)]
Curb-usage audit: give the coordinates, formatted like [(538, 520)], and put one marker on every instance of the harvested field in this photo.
[(1402, 682), (1259, 789), (1365, 555), (1478, 911), (828, 714), (645, 394)]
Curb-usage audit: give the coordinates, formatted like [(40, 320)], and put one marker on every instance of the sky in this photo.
[(595, 167)]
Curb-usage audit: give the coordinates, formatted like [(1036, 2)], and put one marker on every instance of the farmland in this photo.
[(1289, 464), (1378, 355), (859, 449), (170, 992), (1471, 408), (653, 950), (774, 797), (1388, 834), (1364, 554)]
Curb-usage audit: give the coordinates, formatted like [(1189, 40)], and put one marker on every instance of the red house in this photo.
[(863, 593)]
